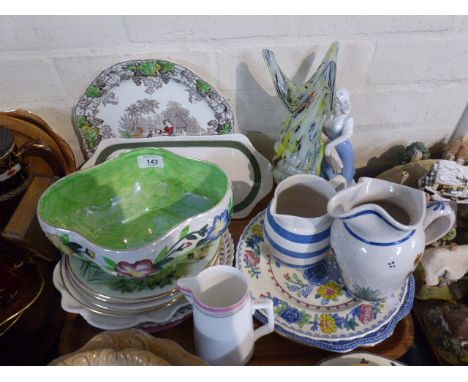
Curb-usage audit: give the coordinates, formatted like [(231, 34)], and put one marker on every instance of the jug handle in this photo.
[(338, 182), (439, 220), (270, 325)]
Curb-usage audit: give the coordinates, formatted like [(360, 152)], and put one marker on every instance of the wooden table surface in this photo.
[(272, 349)]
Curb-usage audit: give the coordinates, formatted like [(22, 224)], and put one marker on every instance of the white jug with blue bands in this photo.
[(379, 233), (297, 225)]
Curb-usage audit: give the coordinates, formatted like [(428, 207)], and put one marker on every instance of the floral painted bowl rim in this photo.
[(129, 300), (116, 309), (101, 308), (70, 305), (167, 233), (370, 338)]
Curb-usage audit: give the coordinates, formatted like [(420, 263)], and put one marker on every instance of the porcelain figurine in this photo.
[(300, 150), (449, 262), (339, 153), (379, 234), (222, 315), (297, 226)]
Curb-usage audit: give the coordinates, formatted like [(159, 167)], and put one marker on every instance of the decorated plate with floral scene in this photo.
[(312, 305), (147, 98), (92, 280), (114, 309), (153, 321), (111, 321)]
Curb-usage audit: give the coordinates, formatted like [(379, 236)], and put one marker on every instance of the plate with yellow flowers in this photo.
[(312, 305)]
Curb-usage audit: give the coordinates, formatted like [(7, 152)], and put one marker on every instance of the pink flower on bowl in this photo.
[(251, 258), (137, 270), (367, 313)]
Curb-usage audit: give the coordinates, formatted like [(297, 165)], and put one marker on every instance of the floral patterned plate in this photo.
[(113, 309), (146, 98), (152, 321), (100, 285), (312, 306)]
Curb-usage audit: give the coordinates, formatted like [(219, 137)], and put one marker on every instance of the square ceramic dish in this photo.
[(137, 213)]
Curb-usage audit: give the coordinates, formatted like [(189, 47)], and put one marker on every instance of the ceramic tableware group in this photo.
[(377, 229), (223, 309), (312, 305), (137, 213), (116, 302)]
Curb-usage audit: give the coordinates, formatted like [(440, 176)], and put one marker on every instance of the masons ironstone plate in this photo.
[(146, 98), (311, 305)]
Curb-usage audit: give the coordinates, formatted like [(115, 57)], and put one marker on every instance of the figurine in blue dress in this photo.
[(339, 153)]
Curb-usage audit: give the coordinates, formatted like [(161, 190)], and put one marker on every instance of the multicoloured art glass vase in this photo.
[(300, 150)]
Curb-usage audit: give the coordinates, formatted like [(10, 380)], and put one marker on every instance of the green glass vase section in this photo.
[(300, 149)]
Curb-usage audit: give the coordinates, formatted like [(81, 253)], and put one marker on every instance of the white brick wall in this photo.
[(408, 76)]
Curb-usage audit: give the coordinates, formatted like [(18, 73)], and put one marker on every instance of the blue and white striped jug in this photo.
[(297, 225)]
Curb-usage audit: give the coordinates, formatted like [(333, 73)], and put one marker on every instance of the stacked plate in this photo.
[(109, 302)]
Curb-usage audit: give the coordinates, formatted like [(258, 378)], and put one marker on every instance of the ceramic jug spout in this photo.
[(343, 202), (189, 287), (390, 205)]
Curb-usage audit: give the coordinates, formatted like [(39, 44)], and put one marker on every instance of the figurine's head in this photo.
[(342, 101)]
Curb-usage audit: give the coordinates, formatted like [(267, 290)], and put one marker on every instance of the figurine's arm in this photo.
[(346, 134)]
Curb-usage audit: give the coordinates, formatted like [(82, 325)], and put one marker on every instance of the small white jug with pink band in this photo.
[(222, 315)]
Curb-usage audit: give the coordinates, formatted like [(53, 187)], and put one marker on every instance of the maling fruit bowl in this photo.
[(134, 214)]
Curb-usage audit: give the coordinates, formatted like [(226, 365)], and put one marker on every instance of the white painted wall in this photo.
[(408, 76)]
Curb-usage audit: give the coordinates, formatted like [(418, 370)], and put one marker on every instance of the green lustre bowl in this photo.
[(134, 214)]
